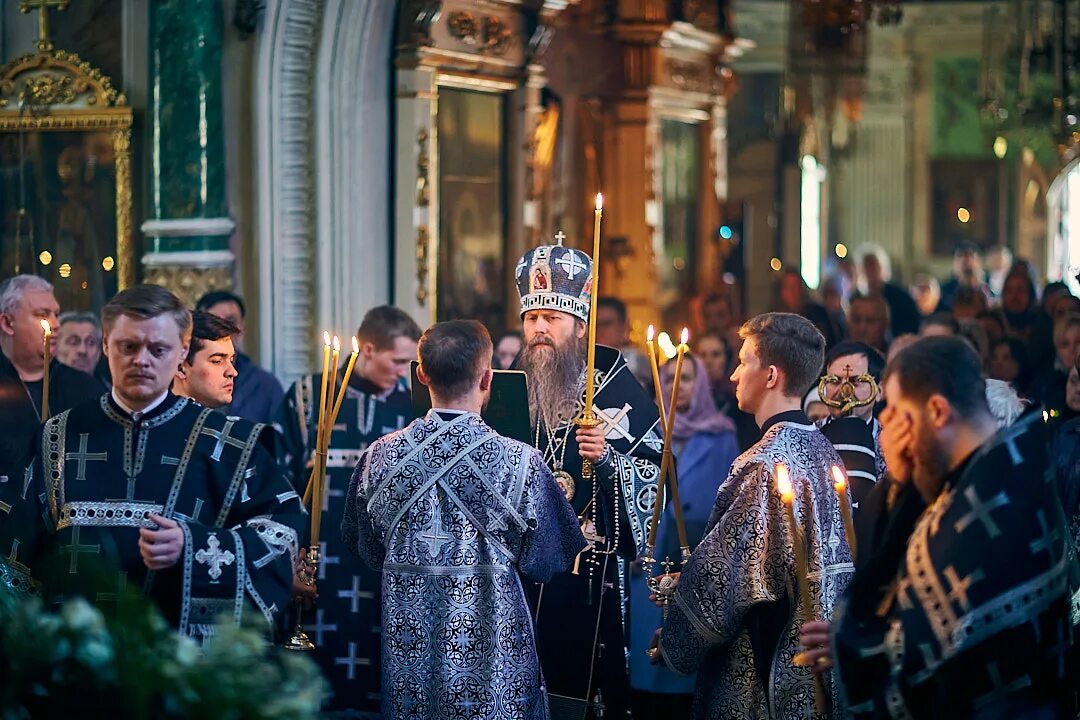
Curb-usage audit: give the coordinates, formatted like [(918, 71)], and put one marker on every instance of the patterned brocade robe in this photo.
[(737, 610), (73, 524), (345, 624), (452, 512), (971, 609)]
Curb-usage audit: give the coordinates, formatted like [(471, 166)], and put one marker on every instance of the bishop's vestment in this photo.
[(737, 611), (971, 608), (345, 625), (100, 472), (452, 513)]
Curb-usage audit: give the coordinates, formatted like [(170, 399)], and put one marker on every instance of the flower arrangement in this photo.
[(131, 664)]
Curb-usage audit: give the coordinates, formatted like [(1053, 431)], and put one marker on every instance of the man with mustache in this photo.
[(141, 490), (967, 609), (207, 373), (580, 634)]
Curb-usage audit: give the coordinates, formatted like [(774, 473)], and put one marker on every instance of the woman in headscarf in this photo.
[(704, 445)]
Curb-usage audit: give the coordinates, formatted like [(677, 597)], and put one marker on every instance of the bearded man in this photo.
[(579, 615)]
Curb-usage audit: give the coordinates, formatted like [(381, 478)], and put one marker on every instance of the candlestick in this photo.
[(840, 484), (47, 328), (787, 498)]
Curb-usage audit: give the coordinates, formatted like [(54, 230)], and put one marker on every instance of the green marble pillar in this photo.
[(189, 228)]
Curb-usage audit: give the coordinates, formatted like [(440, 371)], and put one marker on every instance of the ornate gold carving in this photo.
[(40, 77), (488, 35), (423, 201), (125, 252), (424, 18), (188, 283)]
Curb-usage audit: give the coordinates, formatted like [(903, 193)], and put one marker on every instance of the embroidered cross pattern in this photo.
[(223, 438), (82, 457), (571, 264), (356, 594), (214, 557), (194, 513), (1048, 540), (433, 535), (350, 661), (520, 266), (613, 422), (76, 549), (959, 588), (13, 558), (1001, 690), (319, 628), (980, 512), (121, 589), (327, 559)]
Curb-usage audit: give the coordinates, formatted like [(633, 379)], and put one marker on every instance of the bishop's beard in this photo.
[(554, 373)]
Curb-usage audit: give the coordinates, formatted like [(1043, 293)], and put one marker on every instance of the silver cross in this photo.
[(559, 237), (320, 627), (571, 264), (612, 423), (980, 512), (214, 557), (351, 661), (356, 594), (433, 535), (223, 438), (82, 456), (75, 548)]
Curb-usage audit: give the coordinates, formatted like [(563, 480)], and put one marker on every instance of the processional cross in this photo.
[(43, 6)]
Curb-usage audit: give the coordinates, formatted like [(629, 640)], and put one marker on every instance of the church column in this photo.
[(187, 235)]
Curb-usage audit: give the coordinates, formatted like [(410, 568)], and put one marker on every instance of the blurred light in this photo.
[(65, 270), (666, 346), (725, 232), (84, 285), (1001, 147), (963, 215), (678, 263), (729, 278), (1070, 119), (775, 264), (108, 263), (810, 221), (841, 250), (1029, 157), (45, 257)]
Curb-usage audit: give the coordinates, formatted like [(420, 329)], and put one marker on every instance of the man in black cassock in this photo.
[(26, 300), (969, 608), (346, 623), (146, 490), (580, 614)]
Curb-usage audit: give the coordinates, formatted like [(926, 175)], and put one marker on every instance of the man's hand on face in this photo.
[(591, 442), (161, 548), (897, 444)]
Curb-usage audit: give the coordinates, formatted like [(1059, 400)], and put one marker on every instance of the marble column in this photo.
[(187, 235)]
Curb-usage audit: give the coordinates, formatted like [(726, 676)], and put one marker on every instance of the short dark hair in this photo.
[(946, 366), (791, 343), (613, 303), (875, 361), (214, 297), (452, 356), (383, 325), (207, 326), (144, 302), (943, 318)]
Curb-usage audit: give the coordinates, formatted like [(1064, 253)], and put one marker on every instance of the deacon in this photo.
[(580, 614), (738, 607), (208, 373), (453, 513), (345, 625), (968, 609), (144, 489), (25, 302)]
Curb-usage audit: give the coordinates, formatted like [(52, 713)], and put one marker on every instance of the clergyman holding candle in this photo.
[(738, 605)]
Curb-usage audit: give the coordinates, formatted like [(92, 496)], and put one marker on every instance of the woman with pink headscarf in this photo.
[(704, 445)]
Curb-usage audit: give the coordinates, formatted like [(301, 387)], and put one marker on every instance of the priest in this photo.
[(145, 490), (345, 625), (453, 513), (739, 603), (580, 614)]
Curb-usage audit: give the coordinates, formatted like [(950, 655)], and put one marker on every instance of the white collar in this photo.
[(135, 415)]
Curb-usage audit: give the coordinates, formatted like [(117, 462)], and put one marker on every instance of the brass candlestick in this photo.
[(308, 572)]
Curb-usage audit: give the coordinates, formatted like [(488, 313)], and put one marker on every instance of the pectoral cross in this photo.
[(42, 6)]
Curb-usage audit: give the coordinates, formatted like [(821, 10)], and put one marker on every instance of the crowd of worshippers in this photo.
[(466, 574)]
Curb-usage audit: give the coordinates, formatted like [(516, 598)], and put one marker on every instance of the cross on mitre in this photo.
[(559, 237)]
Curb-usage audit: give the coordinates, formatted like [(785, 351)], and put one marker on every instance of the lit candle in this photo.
[(680, 353), (591, 365), (650, 343), (654, 363), (345, 381), (315, 490), (787, 498), (840, 484), (47, 328)]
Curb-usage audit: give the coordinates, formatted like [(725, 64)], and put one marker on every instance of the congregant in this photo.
[(346, 625), (207, 374), (152, 491), (738, 605), (452, 513), (580, 614)]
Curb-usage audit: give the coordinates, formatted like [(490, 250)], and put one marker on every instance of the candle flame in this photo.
[(839, 481), (355, 345), (46, 326), (685, 338), (783, 483), (326, 338), (599, 201), (337, 344), (650, 334)]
